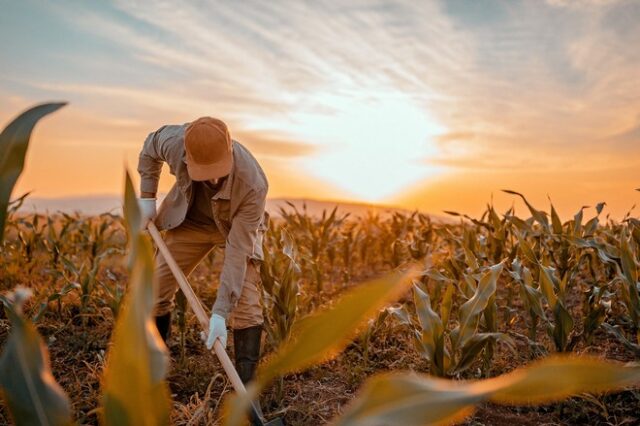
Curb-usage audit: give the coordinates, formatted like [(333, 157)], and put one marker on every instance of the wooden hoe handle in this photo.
[(195, 304)]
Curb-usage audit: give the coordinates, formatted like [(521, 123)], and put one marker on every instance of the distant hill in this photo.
[(95, 205)]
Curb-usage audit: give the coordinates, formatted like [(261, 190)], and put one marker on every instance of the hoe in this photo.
[(195, 304)]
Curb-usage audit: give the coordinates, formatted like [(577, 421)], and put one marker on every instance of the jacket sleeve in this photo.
[(239, 248), (150, 162)]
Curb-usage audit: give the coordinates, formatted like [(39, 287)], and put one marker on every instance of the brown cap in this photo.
[(209, 152)]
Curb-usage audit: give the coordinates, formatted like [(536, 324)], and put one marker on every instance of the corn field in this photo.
[(509, 318)]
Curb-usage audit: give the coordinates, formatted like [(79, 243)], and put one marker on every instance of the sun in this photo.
[(372, 145)]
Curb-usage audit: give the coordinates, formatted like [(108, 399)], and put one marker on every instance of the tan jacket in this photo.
[(238, 207)]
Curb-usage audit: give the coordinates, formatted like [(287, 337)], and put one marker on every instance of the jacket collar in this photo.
[(225, 191)]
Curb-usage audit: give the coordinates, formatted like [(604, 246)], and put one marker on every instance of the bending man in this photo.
[(218, 199)]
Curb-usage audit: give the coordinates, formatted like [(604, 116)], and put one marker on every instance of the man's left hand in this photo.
[(217, 330)]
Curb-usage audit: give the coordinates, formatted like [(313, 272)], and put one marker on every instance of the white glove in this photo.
[(217, 330), (147, 210)]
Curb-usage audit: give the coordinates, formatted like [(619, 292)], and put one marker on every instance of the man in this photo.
[(218, 200)]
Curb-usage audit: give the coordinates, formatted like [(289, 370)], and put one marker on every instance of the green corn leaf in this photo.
[(547, 287), (629, 268), (442, 362), (520, 224), (429, 321), (14, 141), (400, 313), (538, 215), (29, 389), (324, 334), (616, 332), (577, 221), (636, 234), (591, 226), (410, 399), (476, 344), (526, 249), (606, 252), (471, 260), (447, 302), (533, 299), (421, 347), (470, 311), (563, 326), (556, 223), (134, 390)]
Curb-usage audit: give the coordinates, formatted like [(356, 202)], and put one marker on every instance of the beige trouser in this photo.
[(189, 245)]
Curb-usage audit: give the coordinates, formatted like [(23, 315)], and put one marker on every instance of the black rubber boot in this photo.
[(163, 323), (246, 348)]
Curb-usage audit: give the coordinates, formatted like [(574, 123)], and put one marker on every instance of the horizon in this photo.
[(428, 107), (73, 204)]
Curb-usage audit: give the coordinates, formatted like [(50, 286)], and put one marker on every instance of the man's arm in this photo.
[(150, 165), (239, 248)]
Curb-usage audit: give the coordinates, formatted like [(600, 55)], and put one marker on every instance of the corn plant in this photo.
[(452, 351), (30, 237), (30, 391), (532, 299), (54, 241), (317, 236), (56, 296), (374, 326), (279, 272), (114, 293), (553, 290), (349, 240), (630, 290)]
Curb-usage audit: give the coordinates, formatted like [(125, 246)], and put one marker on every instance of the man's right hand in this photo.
[(147, 210)]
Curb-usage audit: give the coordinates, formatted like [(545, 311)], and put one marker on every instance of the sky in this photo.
[(424, 105)]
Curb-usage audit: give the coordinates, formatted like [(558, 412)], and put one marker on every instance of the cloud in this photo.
[(515, 86), (274, 145)]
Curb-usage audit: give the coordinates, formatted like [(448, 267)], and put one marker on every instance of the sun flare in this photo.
[(374, 145)]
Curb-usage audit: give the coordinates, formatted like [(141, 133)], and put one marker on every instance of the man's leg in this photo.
[(247, 321), (189, 246)]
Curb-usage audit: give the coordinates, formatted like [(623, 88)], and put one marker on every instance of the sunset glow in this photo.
[(428, 105), (372, 143)]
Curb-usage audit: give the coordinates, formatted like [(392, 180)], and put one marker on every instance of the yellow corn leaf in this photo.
[(556, 223), (14, 141), (629, 268), (546, 285), (134, 391), (28, 387), (558, 377), (410, 399), (526, 249)]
